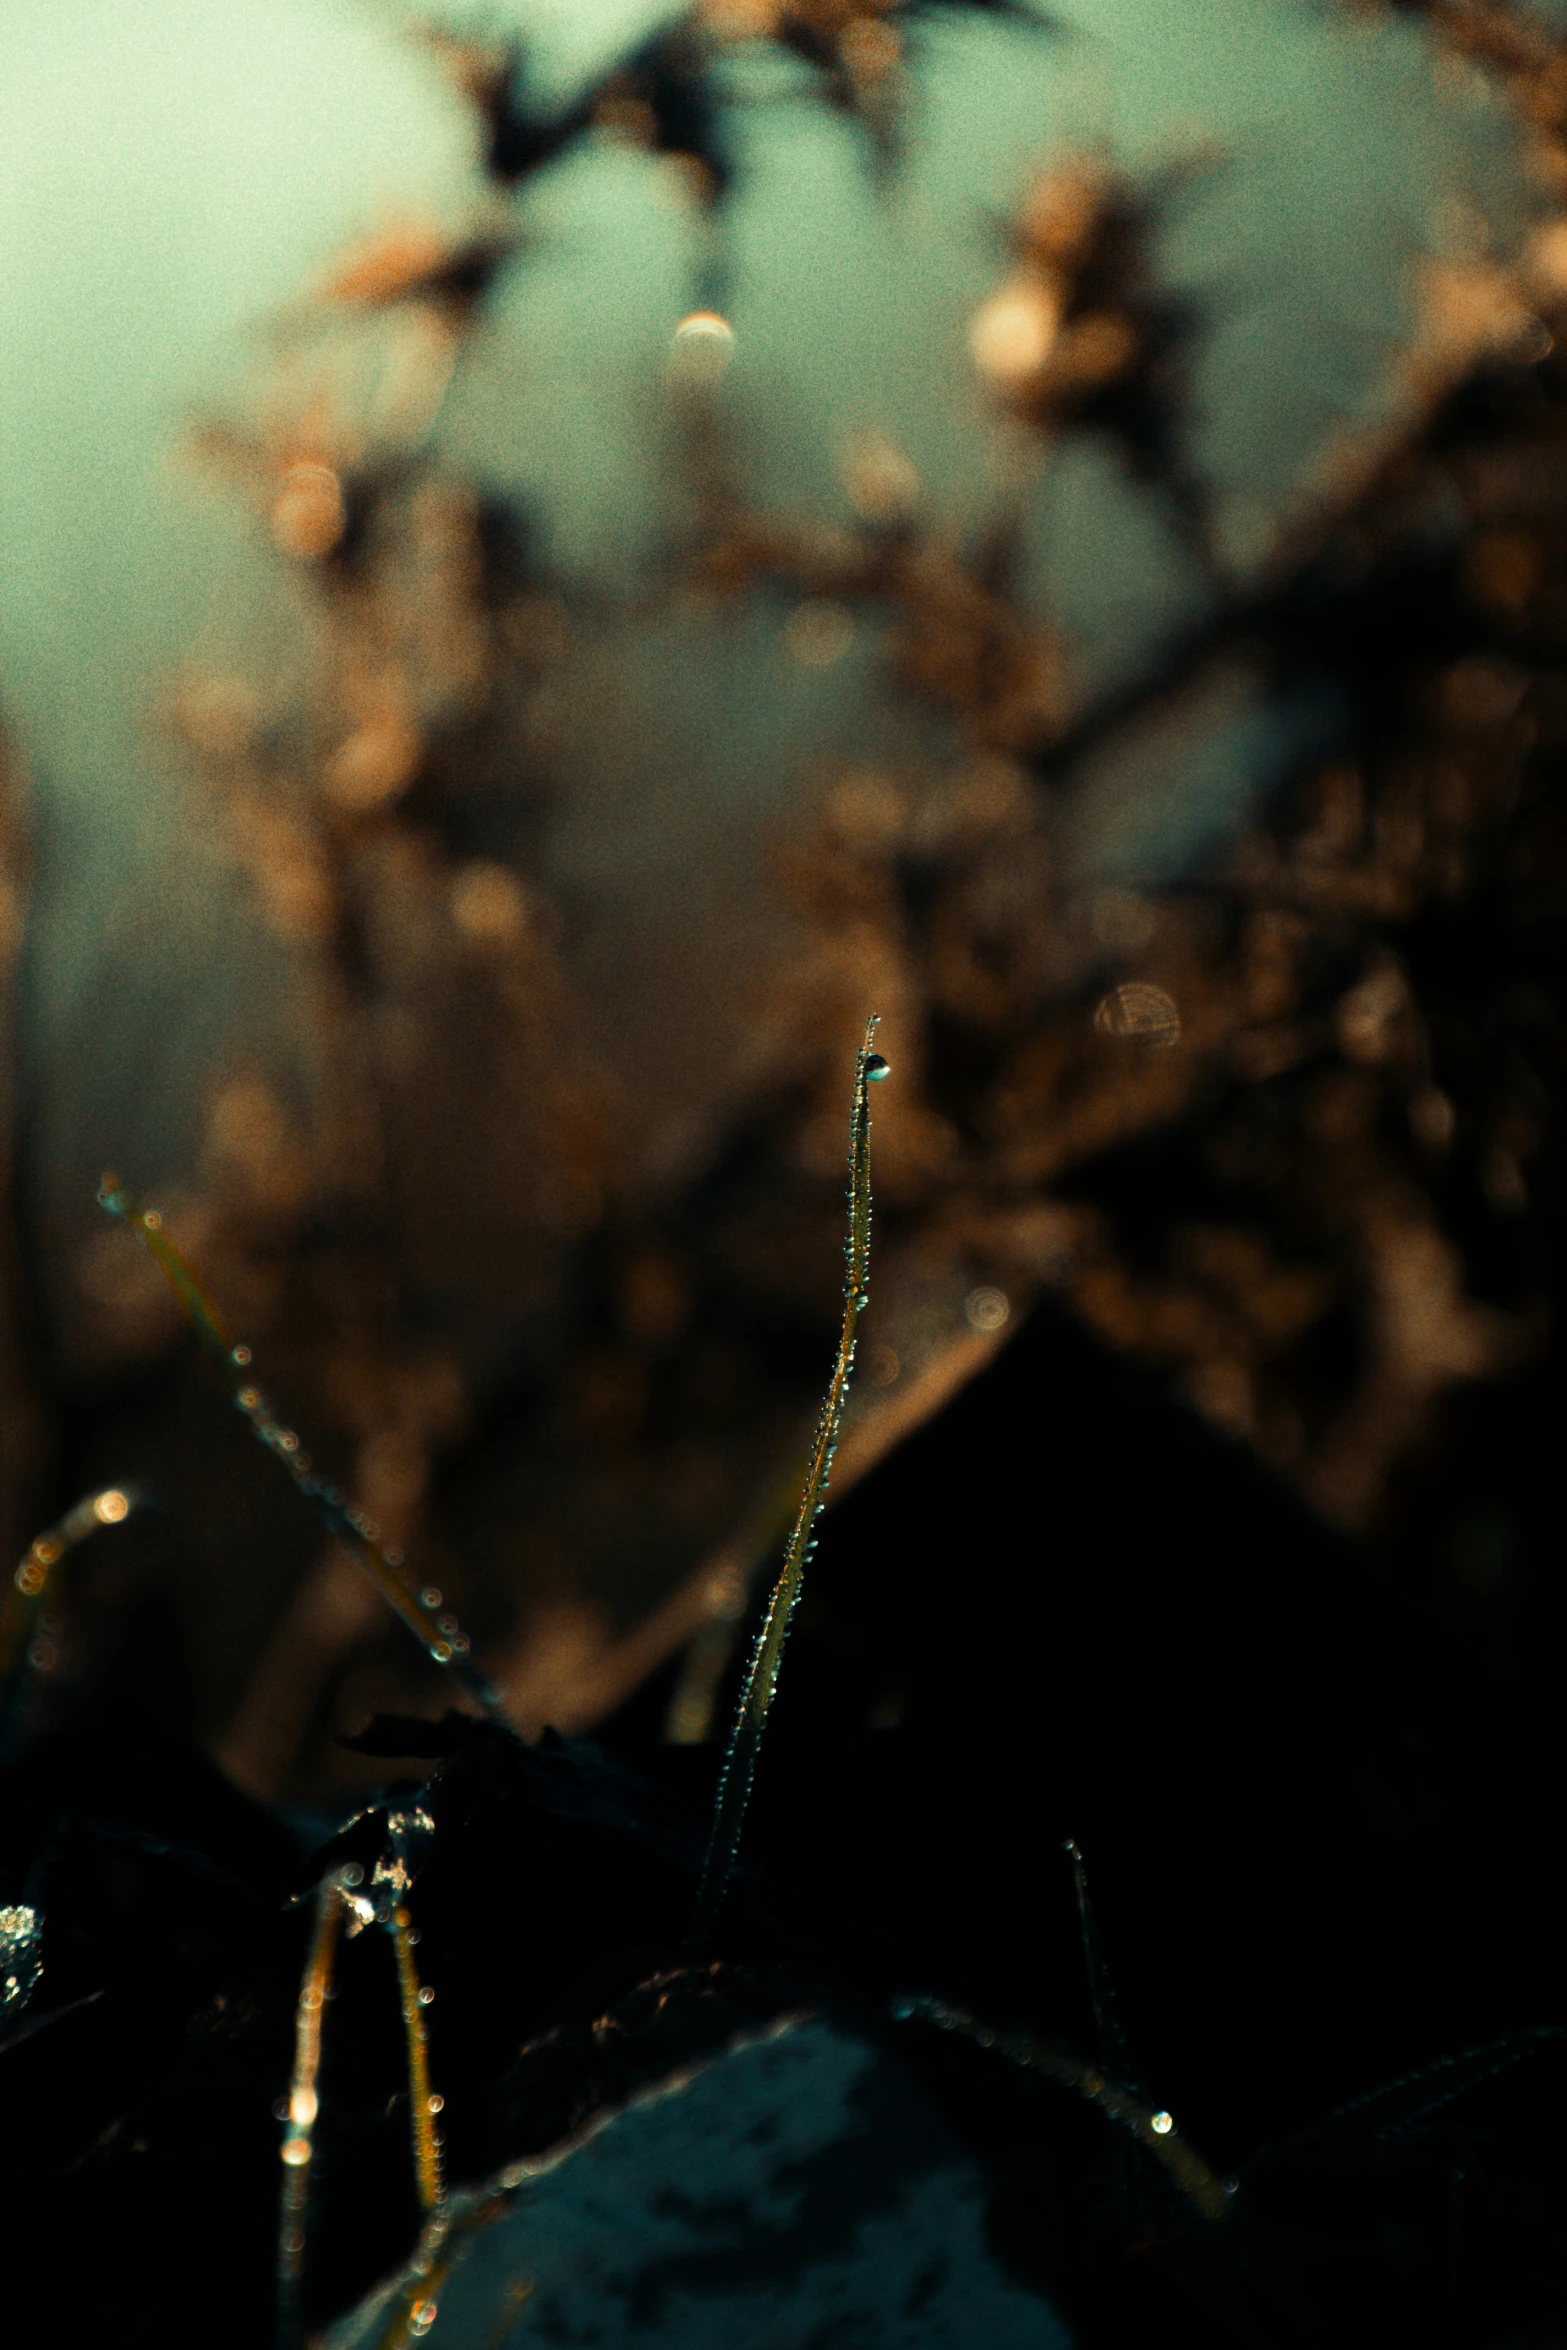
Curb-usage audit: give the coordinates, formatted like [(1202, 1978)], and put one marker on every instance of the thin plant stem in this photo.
[(427, 2144), (303, 2105), (27, 1594), (1201, 2186), (761, 1679), (1109, 2040), (690, 1718), (340, 1904), (442, 1638)]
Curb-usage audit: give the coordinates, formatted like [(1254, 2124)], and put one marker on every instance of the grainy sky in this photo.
[(172, 175)]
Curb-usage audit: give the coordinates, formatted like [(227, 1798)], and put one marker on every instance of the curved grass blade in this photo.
[(27, 1594), (1155, 2130), (45, 2021), (756, 1696), (442, 1640)]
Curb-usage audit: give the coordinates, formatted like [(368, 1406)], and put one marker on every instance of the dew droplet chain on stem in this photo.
[(345, 1904), (443, 1641), (761, 1679), (27, 1593), (1155, 2130)]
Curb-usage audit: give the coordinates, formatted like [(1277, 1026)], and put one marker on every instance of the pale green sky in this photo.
[(173, 172)]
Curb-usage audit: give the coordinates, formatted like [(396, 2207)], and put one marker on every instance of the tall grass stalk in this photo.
[(761, 1679), (424, 1613)]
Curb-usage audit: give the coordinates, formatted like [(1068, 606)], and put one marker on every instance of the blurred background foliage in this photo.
[(552, 558)]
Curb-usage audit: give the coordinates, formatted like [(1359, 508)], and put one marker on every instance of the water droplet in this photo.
[(350, 1873), (239, 1357), (1011, 334), (447, 1624), (437, 2104), (702, 347), (876, 1068), (441, 1650), (704, 326), (1164, 2123), (249, 1399), (422, 2317), (426, 1996), (111, 1507), (302, 2106), (430, 1597), (296, 2151), (152, 1221), (1139, 1013), (987, 1309)]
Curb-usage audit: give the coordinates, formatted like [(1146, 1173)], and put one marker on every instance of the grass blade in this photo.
[(299, 2121), (442, 1640), (761, 1680), (1156, 2131), (27, 1594)]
